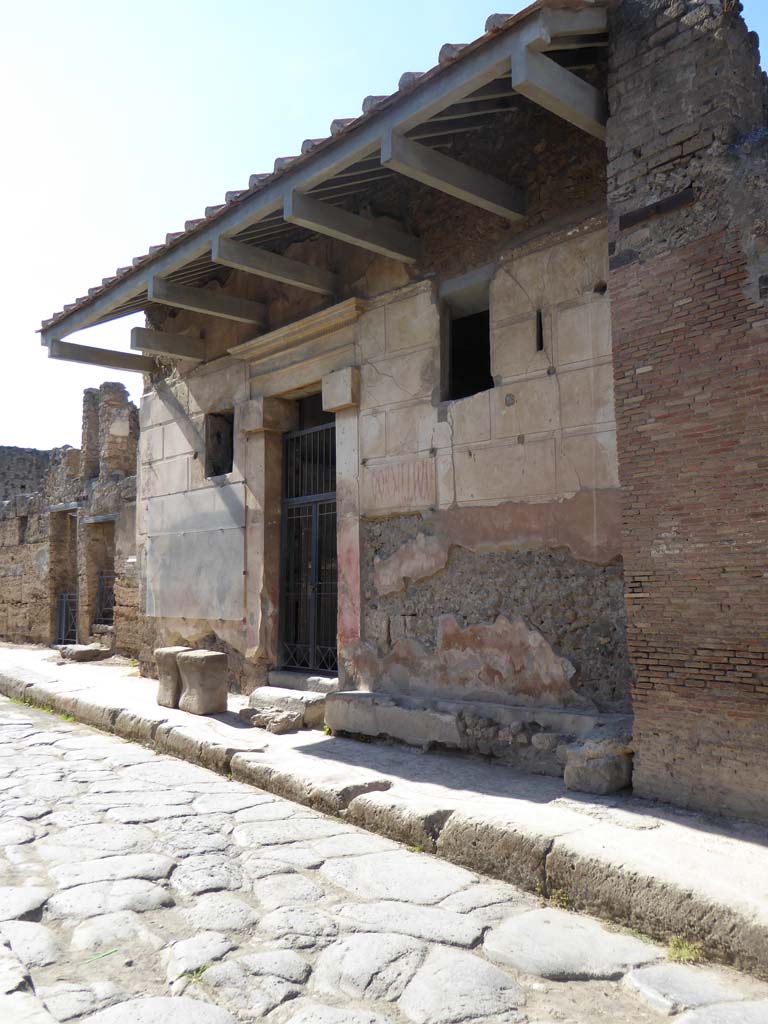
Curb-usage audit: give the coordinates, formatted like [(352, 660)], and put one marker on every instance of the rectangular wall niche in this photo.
[(219, 442)]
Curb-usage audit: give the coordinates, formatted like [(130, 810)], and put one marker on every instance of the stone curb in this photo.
[(539, 863)]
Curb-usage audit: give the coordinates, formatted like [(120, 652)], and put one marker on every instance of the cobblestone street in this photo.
[(138, 889)]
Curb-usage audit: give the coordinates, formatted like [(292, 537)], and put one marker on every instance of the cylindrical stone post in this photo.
[(203, 682), (169, 680)]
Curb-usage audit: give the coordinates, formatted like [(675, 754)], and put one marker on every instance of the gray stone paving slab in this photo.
[(34, 944), (188, 955), (149, 866), (18, 902), (107, 930), (671, 988), (368, 966), (554, 944), (221, 911), (317, 1013), (166, 1010), (397, 875), (431, 923), (453, 986), (105, 897), (728, 1013)]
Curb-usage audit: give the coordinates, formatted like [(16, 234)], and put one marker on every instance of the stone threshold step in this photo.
[(289, 680), (279, 710)]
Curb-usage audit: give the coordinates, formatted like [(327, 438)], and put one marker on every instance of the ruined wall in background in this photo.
[(688, 193), (59, 538), (22, 471)]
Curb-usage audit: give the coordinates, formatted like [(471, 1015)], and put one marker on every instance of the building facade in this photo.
[(465, 405)]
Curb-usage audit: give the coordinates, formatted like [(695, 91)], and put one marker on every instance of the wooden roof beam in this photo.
[(277, 268), (456, 179), (350, 227), (177, 346), (99, 357), (558, 90), (201, 300)]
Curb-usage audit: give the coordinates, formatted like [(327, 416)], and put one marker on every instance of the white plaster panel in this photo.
[(151, 444), (202, 511), (213, 390), (525, 407), (373, 435), (583, 332), (471, 418), (586, 395), (398, 485), (166, 477), (412, 322), (505, 472), (399, 378), (587, 461), (513, 349), (183, 437), (196, 576), (411, 429), (372, 333), (158, 407)]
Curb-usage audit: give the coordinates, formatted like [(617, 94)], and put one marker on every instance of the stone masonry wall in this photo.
[(46, 550), (22, 471), (689, 287)]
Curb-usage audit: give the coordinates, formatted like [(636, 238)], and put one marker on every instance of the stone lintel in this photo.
[(341, 389)]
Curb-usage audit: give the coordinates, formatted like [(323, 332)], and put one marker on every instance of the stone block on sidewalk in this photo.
[(203, 682), (169, 679)]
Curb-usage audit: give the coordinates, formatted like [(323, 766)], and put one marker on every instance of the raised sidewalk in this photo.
[(648, 866)]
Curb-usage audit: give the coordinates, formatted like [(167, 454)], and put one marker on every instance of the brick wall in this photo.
[(690, 339)]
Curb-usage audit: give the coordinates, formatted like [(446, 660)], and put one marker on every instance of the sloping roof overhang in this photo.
[(467, 73)]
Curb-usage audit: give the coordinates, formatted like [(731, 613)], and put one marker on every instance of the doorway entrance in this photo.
[(309, 576)]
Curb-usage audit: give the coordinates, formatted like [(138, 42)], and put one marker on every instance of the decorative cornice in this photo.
[(327, 321)]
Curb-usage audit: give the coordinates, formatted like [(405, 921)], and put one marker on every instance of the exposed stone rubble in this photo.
[(250, 905)]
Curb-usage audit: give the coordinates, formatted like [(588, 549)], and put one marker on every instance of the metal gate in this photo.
[(104, 614), (309, 569), (66, 619)]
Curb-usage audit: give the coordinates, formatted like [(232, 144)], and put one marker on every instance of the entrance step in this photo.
[(277, 709), (302, 681), (591, 749)]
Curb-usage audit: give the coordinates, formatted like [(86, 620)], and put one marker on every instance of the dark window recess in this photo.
[(311, 413), (763, 286), (219, 443), (469, 355), (539, 331), (23, 523)]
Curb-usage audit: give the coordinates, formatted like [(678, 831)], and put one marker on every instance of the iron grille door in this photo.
[(309, 569), (66, 619)]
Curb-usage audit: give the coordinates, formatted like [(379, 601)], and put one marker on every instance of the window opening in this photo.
[(219, 443), (23, 524), (469, 355)]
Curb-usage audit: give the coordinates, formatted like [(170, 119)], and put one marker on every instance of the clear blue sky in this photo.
[(121, 121)]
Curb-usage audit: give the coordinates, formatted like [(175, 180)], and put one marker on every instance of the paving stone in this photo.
[(728, 1013), (284, 890), (352, 845), (83, 901), (189, 955), (298, 927), (107, 838), (109, 930), (136, 798), (317, 1013), (221, 911), (19, 902), (194, 842), (34, 944), (251, 998), (453, 986), (163, 1010), (231, 803), (276, 810), (206, 873), (430, 923), (24, 1008), (280, 963), (295, 830), (368, 966), (13, 974), (399, 875), (487, 894), (15, 832), (671, 988), (564, 947), (66, 1001), (149, 866)]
